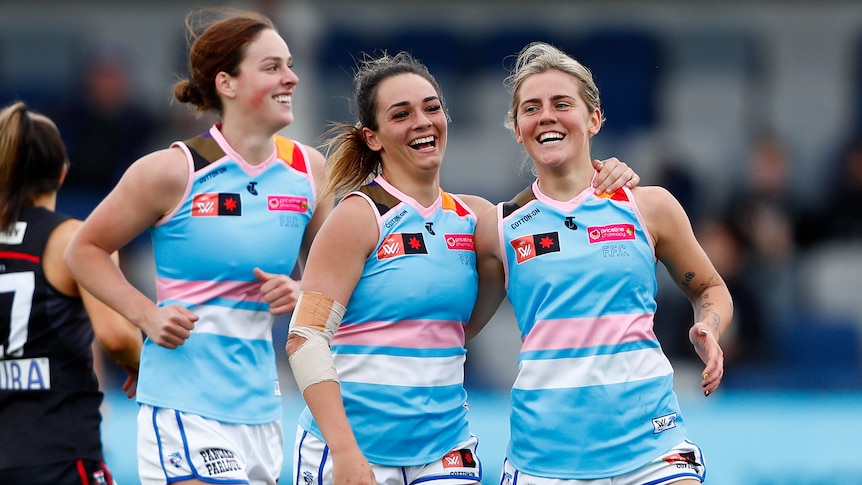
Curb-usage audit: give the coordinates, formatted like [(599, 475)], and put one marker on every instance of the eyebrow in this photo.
[(555, 97), (406, 103)]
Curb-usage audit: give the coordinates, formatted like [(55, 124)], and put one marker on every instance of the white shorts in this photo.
[(175, 446), (312, 465), (683, 462)]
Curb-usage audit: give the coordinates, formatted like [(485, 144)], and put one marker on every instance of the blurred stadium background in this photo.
[(749, 111)]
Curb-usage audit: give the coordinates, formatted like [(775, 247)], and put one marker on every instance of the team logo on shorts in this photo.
[(176, 459), (459, 459)]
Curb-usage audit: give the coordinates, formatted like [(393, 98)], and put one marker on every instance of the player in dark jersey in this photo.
[(49, 392)]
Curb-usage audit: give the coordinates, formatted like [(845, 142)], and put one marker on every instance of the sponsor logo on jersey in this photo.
[(429, 226), (25, 374), (664, 423), (401, 244), (462, 242), (287, 203), (613, 232), (217, 204), (211, 175), (525, 218), (459, 459), (14, 235), (533, 245), (570, 223), (251, 187)]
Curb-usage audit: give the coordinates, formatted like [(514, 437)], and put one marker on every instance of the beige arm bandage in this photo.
[(316, 318)]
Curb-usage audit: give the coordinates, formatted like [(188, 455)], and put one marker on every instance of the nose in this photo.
[(290, 77)]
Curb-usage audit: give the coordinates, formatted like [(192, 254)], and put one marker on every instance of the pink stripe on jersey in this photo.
[(577, 333), (198, 292), (413, 334)]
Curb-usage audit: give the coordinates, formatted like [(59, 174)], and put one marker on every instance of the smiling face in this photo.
[(553, 121), (411, 124), (264, 88)]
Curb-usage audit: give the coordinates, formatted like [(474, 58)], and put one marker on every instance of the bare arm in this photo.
[(116, 336), (491, 277), (335, 264), (149, 189), (691, 269)]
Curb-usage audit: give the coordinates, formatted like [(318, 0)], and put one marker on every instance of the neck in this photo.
[(254, 147), (47, 201), (425, 191), (562, 183)]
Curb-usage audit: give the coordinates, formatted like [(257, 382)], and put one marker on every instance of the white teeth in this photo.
[(551, 136), (427, 139), (282, 98)]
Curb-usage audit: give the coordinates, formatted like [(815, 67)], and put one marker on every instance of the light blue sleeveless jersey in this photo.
[(594, 393), (400, 351), (234, 217)]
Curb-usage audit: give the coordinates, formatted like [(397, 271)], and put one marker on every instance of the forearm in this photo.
[(98, 274), (324, 402), (714, 307)]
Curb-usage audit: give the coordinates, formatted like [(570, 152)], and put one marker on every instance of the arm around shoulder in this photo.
[(489, 264)]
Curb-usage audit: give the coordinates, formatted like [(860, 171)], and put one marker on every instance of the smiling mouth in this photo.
[(282, 99), (550, 138), (424, 143)]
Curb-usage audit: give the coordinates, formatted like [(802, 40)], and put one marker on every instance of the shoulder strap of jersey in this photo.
[(383, 200), (518, 201), (205, 150)]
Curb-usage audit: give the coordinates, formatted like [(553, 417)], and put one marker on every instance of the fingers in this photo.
[(711, 381), (613, 175)]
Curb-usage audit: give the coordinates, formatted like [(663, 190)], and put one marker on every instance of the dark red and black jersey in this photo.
[(49, 394)]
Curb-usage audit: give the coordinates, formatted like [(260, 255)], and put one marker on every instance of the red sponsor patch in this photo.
[(459, 459), (532, 245), (613, 232), (287, 203), (400, 244), (460, 242), (216, 204)]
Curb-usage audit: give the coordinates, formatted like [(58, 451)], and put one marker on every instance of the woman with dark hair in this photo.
[(230, 213), (49, 394), (390, 282)]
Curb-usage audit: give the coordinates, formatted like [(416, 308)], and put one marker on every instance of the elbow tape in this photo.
[(316, 318)]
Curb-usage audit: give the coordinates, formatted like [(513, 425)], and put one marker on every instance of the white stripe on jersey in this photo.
[(582, 372), (400, 371), (234, 322)]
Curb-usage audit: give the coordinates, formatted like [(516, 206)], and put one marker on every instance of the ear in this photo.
[(371, 140), (595, 121), (518, 137), (63, 174), (224, 84)]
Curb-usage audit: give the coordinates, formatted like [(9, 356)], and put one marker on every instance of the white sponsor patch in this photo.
[(15, 235), (25, 374), (664, 423)]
